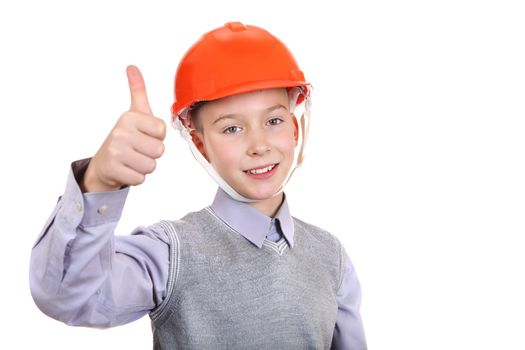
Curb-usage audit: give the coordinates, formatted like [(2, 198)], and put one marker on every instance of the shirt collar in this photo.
[(250, 222)]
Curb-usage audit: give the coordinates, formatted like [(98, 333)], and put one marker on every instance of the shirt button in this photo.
[(102, 210), (78, 206)]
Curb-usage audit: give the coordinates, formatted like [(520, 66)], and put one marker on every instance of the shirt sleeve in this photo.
[(349, 332), (84, 275)]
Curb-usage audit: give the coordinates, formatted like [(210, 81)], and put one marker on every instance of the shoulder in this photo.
[(325, 243), (316, 233), (191, 218), (190, 224)]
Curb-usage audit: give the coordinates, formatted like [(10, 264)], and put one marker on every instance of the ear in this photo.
[(198, 141), (295, 129)]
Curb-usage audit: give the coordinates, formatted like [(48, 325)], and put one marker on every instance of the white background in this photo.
[(415, 160)]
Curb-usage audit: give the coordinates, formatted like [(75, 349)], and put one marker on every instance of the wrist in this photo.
[(91, 183)]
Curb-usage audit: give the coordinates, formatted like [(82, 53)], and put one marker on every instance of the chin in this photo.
[(261, 194)]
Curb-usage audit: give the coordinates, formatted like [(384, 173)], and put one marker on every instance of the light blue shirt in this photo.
[(82, 274)]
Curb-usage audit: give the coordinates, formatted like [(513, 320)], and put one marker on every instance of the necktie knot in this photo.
[(274, 231)]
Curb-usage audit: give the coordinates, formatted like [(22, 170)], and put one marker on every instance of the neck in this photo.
[(269, 206)]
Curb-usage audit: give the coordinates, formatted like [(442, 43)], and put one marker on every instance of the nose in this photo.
[(259, 143)]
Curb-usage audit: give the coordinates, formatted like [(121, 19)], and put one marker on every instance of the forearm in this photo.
[(72, 256)]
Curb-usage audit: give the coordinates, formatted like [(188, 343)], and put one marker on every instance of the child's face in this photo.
[(250, 140)]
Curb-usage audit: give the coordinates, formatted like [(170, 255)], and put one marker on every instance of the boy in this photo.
[(239, 274)]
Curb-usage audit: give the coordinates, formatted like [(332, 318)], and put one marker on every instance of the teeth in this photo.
[(262, 170)]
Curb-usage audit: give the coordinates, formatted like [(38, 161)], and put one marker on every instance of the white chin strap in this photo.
[(304, 123)]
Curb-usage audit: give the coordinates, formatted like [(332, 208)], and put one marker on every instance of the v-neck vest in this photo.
[(226, 293)]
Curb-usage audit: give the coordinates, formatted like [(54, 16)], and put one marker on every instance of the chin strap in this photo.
[(304, 124), (185, 132)]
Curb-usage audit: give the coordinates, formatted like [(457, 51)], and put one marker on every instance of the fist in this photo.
[(130, 151)]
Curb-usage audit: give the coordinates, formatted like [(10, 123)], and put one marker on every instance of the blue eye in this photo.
[(232, 130)]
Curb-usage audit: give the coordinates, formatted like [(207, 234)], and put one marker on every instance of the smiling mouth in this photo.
[(259, 171)]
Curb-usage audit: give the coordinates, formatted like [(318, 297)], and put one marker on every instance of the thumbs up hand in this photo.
[(131, 148)]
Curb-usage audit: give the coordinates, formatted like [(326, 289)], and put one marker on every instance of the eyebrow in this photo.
[(233, 115)]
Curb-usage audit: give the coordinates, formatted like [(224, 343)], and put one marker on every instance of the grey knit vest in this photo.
[(226, 293)]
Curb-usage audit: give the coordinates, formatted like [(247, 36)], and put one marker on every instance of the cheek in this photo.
[(226, 153), (287, 142)]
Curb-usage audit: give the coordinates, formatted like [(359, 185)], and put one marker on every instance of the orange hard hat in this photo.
[(233, 59)]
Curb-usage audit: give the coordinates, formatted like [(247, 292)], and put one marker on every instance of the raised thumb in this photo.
[(137, 88)]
